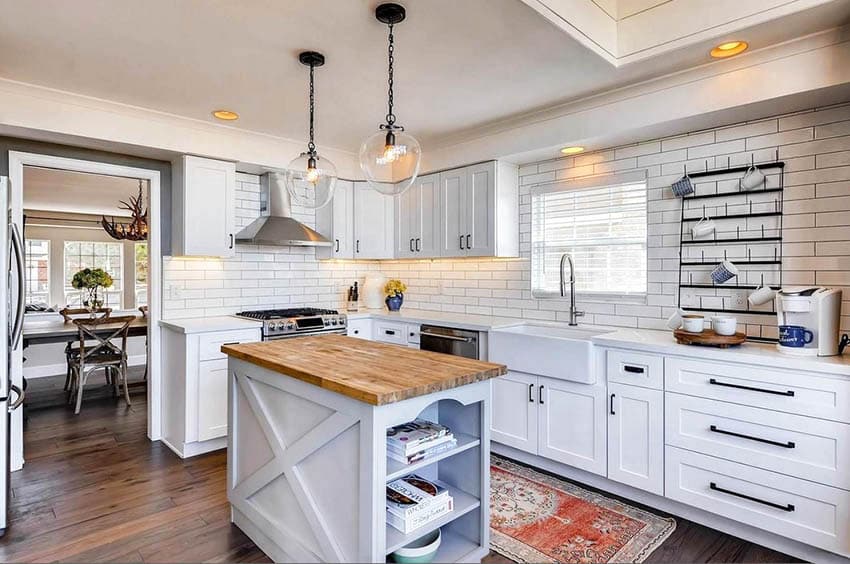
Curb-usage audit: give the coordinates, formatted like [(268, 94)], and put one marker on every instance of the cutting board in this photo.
[(708, 338)]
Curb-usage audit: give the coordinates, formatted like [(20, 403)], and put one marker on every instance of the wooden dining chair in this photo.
[(144, 310), (71, 350), (104, 354)]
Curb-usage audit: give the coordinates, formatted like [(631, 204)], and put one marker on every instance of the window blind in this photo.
[(602, 225)]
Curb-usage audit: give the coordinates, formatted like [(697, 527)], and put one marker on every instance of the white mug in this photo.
[(724, 325), (752, 179), (703, 227), (761, 295), (675, 320), (693, 323)]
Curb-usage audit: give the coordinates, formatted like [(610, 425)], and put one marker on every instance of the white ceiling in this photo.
[(47, 189), (460, 64)]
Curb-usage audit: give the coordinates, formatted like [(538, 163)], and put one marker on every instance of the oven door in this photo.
[(446, 340)]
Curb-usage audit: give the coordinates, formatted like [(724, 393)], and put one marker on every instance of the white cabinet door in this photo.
[(514, 417), (636, 437), (572, 421), (205, 197), (427, 209), (405, 220), (453, 213), (336, 222), (360, 328), (373, 223), (212, 399), (480, 210)]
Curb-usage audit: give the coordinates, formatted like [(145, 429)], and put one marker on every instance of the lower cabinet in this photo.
[(636, 437), (360, 328), (194, 388), (557, 419)]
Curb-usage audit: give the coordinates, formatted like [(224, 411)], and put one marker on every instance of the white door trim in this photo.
[(17, 161)]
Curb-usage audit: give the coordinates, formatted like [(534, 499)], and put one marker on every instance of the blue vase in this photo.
[(394, 302)]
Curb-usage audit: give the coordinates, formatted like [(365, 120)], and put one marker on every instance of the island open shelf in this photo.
[(308, 466)]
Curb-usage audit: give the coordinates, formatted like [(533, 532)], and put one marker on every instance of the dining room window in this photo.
[(37, 264), (141, 274), (91, 254), (599, 221)]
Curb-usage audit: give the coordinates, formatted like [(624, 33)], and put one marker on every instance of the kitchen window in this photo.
[(37, 266), (141, 273), (89, 254), (601, 222)]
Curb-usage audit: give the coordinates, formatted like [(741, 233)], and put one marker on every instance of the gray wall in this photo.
[(14, 144)]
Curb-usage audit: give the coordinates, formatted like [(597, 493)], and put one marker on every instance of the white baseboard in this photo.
[(45, 370)]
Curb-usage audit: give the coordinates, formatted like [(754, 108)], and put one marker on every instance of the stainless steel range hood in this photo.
[(278, 228)]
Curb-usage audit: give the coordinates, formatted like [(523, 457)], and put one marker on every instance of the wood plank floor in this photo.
[(94, 489)]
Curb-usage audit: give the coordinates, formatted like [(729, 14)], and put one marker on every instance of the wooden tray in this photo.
[(708, 338)]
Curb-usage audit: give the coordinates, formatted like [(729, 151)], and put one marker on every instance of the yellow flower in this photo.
[(394, 287)]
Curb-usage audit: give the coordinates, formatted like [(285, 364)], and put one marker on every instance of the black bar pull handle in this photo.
[(231, 240), (789, 393), (788, 507), (633, 369), (789, 444), (468, 246), (611, 409), (540, 395), (337, 245), (418, 248), (389, 332), (357, 245), (461, 242), (411, 245), (530, 391)]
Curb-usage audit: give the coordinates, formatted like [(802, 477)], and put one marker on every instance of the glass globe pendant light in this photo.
[(310, 179), (390, 157)]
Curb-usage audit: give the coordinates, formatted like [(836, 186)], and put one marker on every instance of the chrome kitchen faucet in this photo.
[(574, 313)]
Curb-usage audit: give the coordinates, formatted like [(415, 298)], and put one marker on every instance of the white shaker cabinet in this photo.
[(636, 436), (373, 223), (514, 411), (194, 388), (479, 211), (336, 222), (417, 219), (571, 423), (203, 207)]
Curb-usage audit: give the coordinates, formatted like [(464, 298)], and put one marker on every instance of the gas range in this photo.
[(296, 322)]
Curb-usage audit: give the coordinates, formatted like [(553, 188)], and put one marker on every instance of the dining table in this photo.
[(40, 331)]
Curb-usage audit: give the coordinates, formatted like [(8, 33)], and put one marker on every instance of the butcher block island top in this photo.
[(368, 371)]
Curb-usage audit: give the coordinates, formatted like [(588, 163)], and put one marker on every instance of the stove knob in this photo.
[(290, 326), (272, 326), (333, 320)]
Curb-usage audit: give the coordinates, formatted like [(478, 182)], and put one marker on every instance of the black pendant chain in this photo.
[(391, 60), (311, 146)]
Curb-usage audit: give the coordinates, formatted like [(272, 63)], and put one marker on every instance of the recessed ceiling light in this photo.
[(729, 49), (572, 150), (226, 115)]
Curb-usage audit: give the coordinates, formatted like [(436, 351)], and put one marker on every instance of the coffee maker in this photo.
[(818, 310)]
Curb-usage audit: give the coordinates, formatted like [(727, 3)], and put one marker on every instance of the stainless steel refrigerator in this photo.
[(12, 288)]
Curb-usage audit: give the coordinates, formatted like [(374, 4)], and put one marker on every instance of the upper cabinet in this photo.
[(479, 211), (359, 221), (203, 207), (417, 219), (466, 212)]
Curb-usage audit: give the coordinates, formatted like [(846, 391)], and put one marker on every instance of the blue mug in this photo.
[(794, 336)]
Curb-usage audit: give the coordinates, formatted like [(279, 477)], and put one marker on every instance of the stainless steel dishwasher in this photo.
[(457, 342)]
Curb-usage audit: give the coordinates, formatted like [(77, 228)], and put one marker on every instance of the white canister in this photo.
[(723, 325), (373, 290), (693, 323)]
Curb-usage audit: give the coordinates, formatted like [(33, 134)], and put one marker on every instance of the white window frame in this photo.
[(28, 244), (115, 289), (581, 184)]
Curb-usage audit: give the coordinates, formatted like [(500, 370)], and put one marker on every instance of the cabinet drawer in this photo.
[(209, 344), (360, 328), (807, 448), (771, 388), (801, 510), (389, 332), (637, 369)]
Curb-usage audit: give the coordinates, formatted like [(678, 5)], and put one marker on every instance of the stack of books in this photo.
[(418, 440), (413, 502)]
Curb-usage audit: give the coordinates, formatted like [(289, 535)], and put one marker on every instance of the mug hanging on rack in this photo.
[(683, 186)]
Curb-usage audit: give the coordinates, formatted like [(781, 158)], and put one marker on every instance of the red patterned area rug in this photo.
[(537, 518)]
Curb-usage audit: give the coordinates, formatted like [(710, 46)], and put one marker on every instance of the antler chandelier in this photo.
[(137, 229)]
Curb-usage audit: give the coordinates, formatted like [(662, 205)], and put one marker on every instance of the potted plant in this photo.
[(89, 281), (394, 289)]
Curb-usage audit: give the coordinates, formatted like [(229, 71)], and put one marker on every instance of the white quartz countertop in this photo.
[(764, 354), (446, 319), (210, 324)]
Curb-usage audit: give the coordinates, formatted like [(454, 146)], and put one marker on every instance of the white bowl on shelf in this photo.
[(421, 551)]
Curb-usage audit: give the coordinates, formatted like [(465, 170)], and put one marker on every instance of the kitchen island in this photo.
[(307, 463)]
